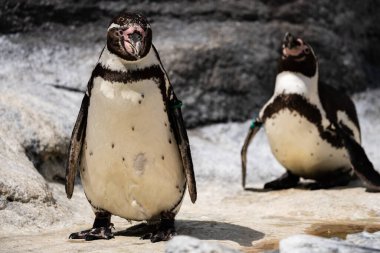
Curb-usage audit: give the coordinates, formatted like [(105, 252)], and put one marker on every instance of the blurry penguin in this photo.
[(313, 130)]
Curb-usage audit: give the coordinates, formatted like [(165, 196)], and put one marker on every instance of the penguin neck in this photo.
[(296, 83), (116, 63)]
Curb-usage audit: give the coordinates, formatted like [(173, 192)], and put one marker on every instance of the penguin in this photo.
[(313, 129), (129, 140)]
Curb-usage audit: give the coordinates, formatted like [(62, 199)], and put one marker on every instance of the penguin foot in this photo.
[(94, 233), (165, 232), (286, 181), (334, 179)]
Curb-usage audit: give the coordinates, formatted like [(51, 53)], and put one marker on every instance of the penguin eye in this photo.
[(306, 50), (121, 19)]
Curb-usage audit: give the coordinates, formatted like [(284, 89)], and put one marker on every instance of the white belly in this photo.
[(130, 163), (296, 144)]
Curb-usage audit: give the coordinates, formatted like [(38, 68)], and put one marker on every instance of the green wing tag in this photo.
[(256, 123), (177, 104)]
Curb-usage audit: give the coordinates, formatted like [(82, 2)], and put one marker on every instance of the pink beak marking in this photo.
[(296, 51)]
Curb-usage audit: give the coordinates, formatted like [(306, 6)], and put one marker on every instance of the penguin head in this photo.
[(297, 56), (129, 36)]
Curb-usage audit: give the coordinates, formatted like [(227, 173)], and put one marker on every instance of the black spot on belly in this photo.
[(170, 141), (164, 109), (112, 145), (311, 154), (163, 157), (139, 101), (142, 95), (91, 153), (166, 124), (133, 128), (123, 159)]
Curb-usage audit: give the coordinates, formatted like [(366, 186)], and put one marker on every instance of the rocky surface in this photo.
[(186, 244), (307, 243), (220, 55)]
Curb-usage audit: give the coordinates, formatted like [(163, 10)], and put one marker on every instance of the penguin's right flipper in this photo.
[(361, 165), (254, 128), (76, 142)]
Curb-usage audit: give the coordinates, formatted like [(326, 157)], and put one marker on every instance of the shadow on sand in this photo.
[(311, 186), (204, 230)]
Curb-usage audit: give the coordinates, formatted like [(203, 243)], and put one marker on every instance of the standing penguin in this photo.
[(313, 129), (129, 140)]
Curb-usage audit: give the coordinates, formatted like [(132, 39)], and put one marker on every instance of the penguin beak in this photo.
[(134, 41), (292, 46), (290, 41)]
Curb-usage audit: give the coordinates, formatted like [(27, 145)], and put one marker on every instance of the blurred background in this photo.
[(221, 55)]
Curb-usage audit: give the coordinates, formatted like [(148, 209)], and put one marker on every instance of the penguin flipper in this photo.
[(76, 142), (254, 128), (180, 133), (361, 165)]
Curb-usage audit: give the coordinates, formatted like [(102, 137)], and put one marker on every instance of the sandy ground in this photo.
[(251, 221)]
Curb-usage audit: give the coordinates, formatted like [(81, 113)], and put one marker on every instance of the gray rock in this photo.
[(371, 240), (308, 244), (220, 55), (187, 244)]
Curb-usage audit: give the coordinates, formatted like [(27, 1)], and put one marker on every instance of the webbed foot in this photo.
[(101, 229), (165, 232), (334, 180), (286, 181), (94, 234)]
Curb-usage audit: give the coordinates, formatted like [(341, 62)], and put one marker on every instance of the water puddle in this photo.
[(341, 230)]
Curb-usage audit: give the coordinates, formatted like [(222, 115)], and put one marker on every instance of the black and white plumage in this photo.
[(129, 139), (313, 129)]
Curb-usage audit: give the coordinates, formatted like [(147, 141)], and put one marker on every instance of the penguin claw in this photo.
[(160, 235), (164, 232), (94, 234)]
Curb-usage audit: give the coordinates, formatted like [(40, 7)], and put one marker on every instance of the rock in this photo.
[(36, 121), (221, 56), (308, 243), (365, 239), (186, 244)]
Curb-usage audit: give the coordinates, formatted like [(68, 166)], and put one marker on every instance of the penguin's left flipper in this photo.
[(76, 143), (361, 165), (180, 133), (253, 129)]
